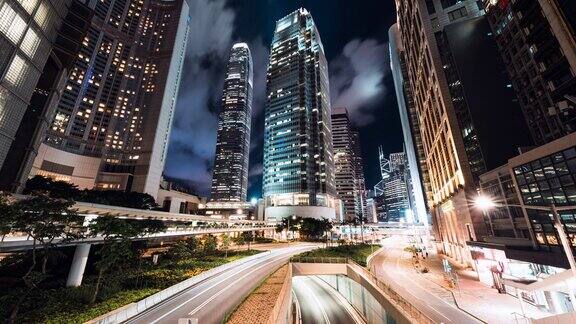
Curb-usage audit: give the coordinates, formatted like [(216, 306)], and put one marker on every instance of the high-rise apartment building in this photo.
[(348, 167), (28, 31), (230, 175), (416, 158), (448, 50), (112, 123), (298, 156), (62, 50), (537, 41)]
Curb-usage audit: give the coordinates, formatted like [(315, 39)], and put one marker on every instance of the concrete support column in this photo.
[(78, 265)]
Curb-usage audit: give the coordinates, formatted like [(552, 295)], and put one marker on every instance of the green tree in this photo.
[(55, 189), (225, 243), (48, 221), (192, 244), (239, 240), (209, 244), (178, 251), (117, 235), (247, 237), (8, 215)]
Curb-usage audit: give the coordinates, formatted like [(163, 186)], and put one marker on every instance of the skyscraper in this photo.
[(537, 41), (416, 158), (230, 175), (62, 49), (348, 165), (28, 30), (392, 191), (298, 157), (112, 123), (449, 50)]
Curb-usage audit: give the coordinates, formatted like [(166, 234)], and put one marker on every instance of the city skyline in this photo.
[(357, 57), (261, 161)]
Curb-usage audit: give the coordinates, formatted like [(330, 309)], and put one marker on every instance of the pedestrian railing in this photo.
[(390, 293)]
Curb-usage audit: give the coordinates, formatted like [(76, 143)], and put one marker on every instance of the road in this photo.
[(320, 303), (210, 300), (386, 266)]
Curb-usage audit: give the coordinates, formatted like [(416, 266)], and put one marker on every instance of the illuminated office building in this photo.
[(349, 170), (448, 49), (230, 175), (298, 155), (112, 123), (416, 158)]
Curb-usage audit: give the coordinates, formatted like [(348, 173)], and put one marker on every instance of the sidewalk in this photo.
[(470, 295)]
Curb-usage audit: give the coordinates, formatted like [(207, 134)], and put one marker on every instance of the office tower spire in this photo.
[(230, 176), (298, 158)]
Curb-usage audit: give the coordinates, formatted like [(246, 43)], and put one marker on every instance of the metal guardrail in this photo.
[(297, 259), (395, 298)]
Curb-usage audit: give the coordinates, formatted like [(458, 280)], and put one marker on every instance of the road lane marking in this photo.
[(311, 292), (203, 281), (223, 290), (343, 301), (219, 282)]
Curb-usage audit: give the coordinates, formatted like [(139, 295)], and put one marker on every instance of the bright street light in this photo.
[(484, 203)]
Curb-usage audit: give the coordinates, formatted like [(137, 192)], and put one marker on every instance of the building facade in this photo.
[(230, 175), (416, 158), (348, 166), (28, 33), (298, 153), (448, 50), (112, 123), (394, 187), (537, 41), (521, 241)]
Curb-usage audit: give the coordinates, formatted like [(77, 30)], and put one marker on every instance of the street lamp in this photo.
[(485, 203)]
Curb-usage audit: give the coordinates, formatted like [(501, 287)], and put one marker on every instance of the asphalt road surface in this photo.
[(210, 300), (386, 267), (320, 303)]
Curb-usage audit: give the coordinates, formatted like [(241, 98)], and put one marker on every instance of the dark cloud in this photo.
[(356, 78), (193, 137)]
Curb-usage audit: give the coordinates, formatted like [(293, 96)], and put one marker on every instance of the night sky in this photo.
[(355, 38)]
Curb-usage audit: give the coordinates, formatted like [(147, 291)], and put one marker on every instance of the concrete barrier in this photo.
[(282, 308), (133, 309)]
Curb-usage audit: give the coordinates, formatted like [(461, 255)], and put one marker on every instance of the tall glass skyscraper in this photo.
[(230, 176), (298, 158), (112, 123)]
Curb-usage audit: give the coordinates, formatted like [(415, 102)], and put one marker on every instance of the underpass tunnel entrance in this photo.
[(335, 299)]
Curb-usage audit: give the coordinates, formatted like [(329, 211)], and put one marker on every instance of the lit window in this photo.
[(17, 71), (30, 43), (11, 23), (42, 15), (28, 5)]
